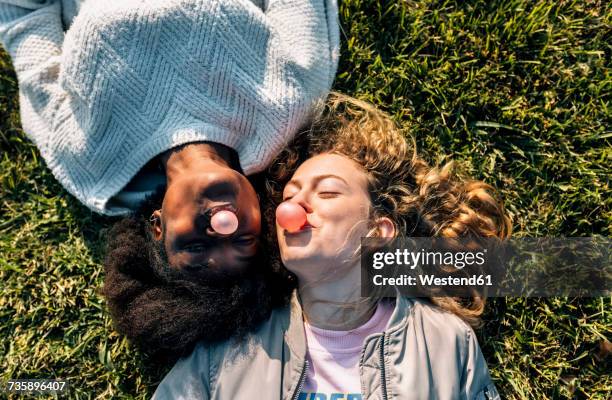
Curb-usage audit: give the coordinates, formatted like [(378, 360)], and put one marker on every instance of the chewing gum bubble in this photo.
[(224, 222), (290, 216)]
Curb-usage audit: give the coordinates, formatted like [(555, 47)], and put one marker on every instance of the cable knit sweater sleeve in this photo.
[(131, 79), (32, 33)]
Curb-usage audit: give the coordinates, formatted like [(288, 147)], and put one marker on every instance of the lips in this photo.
[(304, 228)]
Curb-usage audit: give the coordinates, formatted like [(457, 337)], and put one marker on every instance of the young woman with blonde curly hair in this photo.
[(355, 175)]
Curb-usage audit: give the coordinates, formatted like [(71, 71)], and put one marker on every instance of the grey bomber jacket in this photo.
[(424, 353)]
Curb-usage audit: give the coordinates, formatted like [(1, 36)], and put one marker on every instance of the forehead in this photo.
[(334, 164)]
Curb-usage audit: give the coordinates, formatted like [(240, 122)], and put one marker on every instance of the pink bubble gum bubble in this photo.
[(290, 216), (224, 222)]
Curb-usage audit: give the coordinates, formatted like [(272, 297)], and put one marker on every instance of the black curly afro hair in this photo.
[(167, 311)]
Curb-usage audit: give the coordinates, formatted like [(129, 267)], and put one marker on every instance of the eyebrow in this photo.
[(318, 179)]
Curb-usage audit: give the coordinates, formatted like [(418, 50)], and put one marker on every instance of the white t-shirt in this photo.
[(333, 358)]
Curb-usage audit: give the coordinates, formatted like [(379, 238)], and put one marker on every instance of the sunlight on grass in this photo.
[(517, 91)]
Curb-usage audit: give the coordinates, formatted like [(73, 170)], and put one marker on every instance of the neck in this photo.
[(336, 304), (194, 157)]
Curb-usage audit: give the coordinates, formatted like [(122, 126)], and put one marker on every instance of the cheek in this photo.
[(255, 221), (279, 235), (348, 214), (253, 213)]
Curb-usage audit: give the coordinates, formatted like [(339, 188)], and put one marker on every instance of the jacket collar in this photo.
[(295, 336), (399, 318)]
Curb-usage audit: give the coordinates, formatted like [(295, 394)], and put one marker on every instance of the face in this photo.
[(185, 221), (333, 190)]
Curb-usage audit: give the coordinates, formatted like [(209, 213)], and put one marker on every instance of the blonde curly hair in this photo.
[(422, 201)]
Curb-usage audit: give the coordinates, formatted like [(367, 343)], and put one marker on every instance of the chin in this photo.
[(298, 260), (294, 259)]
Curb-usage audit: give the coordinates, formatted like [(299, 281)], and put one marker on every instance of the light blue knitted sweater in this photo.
[(131, 79)]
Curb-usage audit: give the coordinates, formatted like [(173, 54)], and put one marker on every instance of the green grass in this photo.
[(517, 91)]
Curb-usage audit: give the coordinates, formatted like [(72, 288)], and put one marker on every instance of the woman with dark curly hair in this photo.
[(124, 96), (354, 175), (166, 311), (188, 97)]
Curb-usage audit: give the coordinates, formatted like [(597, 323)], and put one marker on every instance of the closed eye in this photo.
[(196, 247), (329, 195)]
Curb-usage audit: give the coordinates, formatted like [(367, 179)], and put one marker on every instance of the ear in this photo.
[(156, 225), (385, 228)]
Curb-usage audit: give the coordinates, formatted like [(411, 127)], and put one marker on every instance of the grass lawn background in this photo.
[(518, 92)]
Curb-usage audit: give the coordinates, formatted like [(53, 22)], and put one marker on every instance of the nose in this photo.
[(301, 199)]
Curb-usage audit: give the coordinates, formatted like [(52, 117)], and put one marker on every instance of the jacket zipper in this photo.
[(383, 377), (301, 381)]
